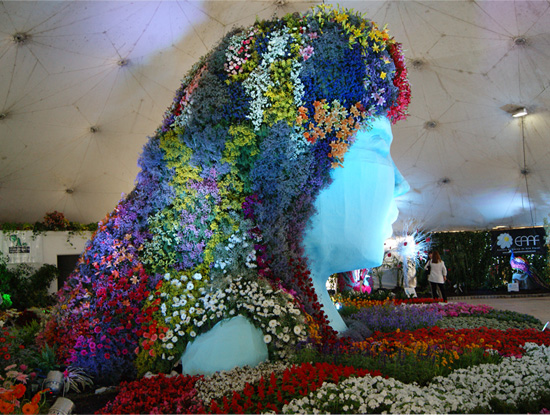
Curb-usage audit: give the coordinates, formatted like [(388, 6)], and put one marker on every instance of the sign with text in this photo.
[(21, 247), (521, 241)]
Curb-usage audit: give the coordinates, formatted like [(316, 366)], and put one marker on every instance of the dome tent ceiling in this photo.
[(82, 85)]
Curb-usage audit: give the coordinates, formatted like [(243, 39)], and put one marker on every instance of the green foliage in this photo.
[(27, 333), (468, 258), (377, 295), (27, 286), (348, 310), (406, 367), (470, 262), (53, 221), (45, 360), (531, 405)]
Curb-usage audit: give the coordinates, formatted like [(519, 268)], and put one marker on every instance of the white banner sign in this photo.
[(21, 247)]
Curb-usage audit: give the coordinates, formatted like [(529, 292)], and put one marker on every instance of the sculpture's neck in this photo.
[(321, 268)]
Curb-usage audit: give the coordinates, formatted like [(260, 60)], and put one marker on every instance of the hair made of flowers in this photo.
[(214, 225)]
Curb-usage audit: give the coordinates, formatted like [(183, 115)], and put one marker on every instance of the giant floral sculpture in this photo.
[(214, 228)]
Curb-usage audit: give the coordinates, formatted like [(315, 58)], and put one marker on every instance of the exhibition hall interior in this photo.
[(281, 206)]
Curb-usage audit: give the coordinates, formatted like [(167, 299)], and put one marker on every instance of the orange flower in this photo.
[(30, 408), (6, 408), (36, 398), (19, 391), (8, 396)]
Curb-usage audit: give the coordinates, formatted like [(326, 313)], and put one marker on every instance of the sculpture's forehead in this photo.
[(376, 138)]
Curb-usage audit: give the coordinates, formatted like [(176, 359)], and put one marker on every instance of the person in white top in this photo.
[(438, 275)]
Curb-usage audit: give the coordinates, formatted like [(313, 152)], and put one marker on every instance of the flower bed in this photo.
[(464, 390), (462, 370)]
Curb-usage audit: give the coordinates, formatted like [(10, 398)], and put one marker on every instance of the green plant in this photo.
[(27, 286), (46, 359), (468, 258), (348, 310), (76, 379), (27, 333), (407, 367)]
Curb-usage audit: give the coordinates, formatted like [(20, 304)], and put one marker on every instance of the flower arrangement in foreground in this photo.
[(464, 390), (13, 390), (335, 388), (226, 188)]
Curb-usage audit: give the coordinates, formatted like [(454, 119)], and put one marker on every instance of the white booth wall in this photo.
[(24, 247)]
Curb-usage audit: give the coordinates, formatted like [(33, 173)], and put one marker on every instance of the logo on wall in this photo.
[(21, 247), (18, 247), (521, 241)]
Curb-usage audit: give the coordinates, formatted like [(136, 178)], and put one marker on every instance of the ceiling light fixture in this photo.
[(3, 116), (520, 112), (94, 129), (430, 125), (418, 63), (69, 191), (20, 38), (122, 62), (520, 41), (444, 181)]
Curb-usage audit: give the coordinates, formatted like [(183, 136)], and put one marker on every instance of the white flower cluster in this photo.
[(222, 383), (274, 312), (237, 243), (462, 391), (259, 80), (180, 306), (297, 135)]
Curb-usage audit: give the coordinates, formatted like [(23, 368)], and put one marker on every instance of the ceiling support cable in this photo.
[(525, 171)]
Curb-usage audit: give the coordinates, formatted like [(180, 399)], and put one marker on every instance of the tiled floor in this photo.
[(538, 307)]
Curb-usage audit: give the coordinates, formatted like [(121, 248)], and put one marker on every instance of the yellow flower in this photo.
[(383, 75)]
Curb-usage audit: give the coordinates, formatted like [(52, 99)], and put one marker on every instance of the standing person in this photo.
[(438, 275)]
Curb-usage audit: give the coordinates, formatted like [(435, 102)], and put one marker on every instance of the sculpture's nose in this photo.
[(401, 185)]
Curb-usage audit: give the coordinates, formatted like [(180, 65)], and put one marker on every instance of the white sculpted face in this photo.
[(355, 214)]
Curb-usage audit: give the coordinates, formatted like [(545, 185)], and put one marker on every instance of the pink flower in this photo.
[(307, 52)]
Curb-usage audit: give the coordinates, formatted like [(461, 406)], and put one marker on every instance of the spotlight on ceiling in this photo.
[(520, 112), (69, 191), (94, 129), (525, 171), (3, 116), (122, 62)]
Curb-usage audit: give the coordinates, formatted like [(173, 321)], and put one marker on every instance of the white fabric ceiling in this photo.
[(82, 85)]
